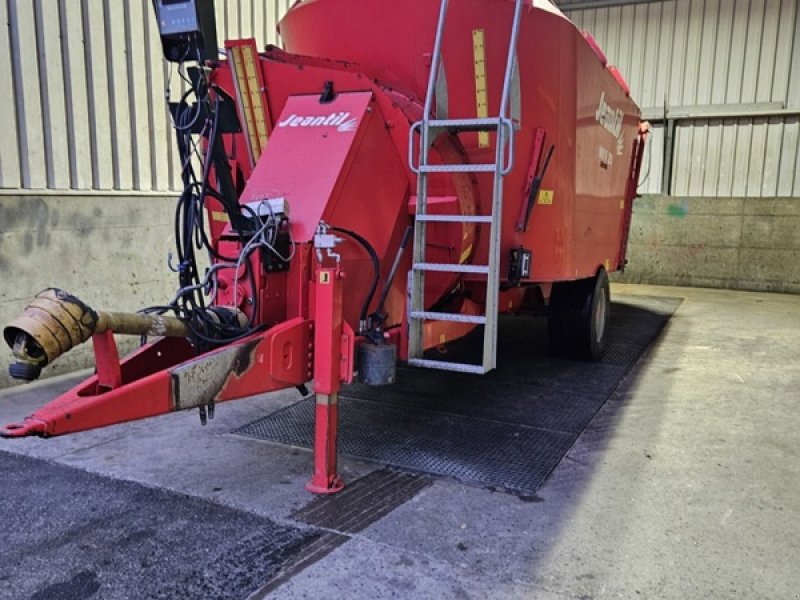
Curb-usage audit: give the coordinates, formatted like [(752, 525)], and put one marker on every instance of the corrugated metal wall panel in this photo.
[(118, 81), (736, 157), (722, 55), (51, 77), (259, 21), (75, 95), (85, 107), (727, 156), (9, 149), (98, 90), (138, 69), (247, 23), (789, 170), (87, 80), (709, 176), (682, 160), (701, 48), (787, 36), (27, 89), (162, 146), (697, 53)]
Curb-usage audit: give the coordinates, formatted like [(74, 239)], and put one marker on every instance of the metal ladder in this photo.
[(428, 129)]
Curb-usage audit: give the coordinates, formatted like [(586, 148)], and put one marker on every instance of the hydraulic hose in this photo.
[(376, 270)]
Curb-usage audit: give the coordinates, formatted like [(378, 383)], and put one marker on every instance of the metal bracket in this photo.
[(326, 241)]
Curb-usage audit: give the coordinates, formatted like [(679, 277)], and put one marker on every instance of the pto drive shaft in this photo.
[(55, 322)]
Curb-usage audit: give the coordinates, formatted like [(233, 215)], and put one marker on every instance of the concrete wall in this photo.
[(110, 251), (748, 244)]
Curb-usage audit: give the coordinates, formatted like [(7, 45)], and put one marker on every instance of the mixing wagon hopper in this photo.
[(548, 139)]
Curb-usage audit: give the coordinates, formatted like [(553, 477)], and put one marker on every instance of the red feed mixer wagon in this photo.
[(397, 176)]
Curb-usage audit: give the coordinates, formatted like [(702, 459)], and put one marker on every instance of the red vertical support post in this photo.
[(327, 315), (106, 357)]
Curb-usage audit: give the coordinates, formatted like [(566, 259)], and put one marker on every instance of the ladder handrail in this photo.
[(511, 58), (436, 59)]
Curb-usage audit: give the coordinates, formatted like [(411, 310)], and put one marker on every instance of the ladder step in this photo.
[(459, 168), (480, 124), (456, 218), (452, 268), (447, 366), (454, 317)]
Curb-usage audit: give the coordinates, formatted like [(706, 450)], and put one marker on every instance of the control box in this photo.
[(520, 265), (188, 29)]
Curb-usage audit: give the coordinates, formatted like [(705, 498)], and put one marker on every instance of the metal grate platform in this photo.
[(505, 430)]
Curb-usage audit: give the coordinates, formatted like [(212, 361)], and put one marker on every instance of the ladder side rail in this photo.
[(415, 333), (415, 336), (493, 279)]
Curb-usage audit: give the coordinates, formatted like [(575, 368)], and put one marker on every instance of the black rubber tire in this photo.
[(577, 317)]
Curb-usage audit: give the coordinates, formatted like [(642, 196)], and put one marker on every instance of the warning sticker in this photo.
[(545, 197)]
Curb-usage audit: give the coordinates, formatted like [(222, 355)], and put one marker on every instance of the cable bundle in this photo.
[(194, 301)]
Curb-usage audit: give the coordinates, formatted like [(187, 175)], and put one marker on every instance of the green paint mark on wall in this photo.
[(678, 210)]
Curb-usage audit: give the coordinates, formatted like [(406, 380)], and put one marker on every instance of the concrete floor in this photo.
[(685, 485)]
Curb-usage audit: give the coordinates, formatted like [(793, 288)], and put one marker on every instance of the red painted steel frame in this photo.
[(106, 354), (150, 380)]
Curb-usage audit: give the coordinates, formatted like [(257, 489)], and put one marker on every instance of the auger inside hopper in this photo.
[(491, 129)]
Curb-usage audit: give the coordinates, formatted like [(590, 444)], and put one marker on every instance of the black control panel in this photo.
[(520, 266), (188, 29)]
